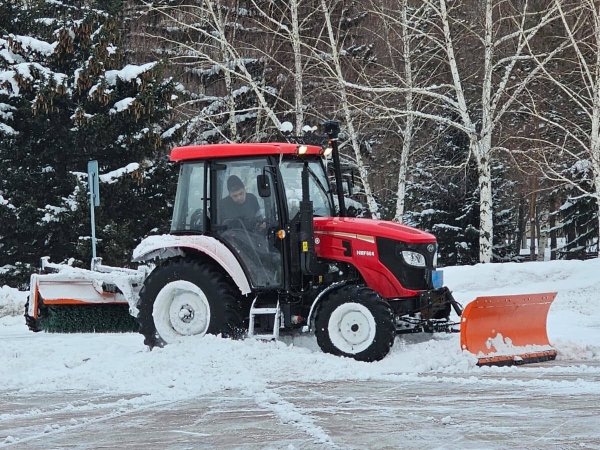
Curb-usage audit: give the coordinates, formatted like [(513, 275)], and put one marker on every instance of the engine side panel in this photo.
[(361, 252), (372, 247)]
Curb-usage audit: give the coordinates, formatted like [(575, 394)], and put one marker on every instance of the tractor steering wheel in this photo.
[(196, 222)]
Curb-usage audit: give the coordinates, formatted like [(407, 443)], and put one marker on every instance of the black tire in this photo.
[(32, 323), (354, 321), (223, 300)]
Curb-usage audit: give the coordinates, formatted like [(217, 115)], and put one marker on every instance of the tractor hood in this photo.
[(372, 228)]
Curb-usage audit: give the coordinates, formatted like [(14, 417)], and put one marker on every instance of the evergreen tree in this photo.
[(443, 199), (67, 96), (579, 219)]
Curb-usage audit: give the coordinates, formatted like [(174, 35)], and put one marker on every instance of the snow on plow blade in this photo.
[(508, 329)]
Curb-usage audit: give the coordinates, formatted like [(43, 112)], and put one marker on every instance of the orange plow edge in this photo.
[(508, 329)]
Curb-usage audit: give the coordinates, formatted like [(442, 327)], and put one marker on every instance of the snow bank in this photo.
[(120, 363), (12, 302)]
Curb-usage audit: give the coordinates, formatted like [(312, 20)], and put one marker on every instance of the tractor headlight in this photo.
[(414, 258)]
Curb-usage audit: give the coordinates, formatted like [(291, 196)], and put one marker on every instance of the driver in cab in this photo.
[(240, 206)]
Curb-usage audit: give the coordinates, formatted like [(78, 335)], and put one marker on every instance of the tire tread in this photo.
[(382, 313), (223, 297)]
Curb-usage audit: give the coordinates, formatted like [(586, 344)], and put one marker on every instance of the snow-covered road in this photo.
[(109, 391), (551, 407)]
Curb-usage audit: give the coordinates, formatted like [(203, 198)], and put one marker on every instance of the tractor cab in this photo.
[(249, 197)]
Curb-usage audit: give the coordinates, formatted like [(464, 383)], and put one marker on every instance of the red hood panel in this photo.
[(374, 228)]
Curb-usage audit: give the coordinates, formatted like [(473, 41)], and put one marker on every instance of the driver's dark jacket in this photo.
[(247, 212)]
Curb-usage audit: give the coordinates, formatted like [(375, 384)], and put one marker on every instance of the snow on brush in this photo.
[(120, 363)]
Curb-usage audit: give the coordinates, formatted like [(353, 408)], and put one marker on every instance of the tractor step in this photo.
[(275, 311)]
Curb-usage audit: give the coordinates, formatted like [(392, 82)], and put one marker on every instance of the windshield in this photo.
[(291, 173)]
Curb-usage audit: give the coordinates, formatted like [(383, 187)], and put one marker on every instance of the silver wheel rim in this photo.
[(352, 328), (180, 310)]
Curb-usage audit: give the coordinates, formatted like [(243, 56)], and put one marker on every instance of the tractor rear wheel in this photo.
[(188, 297), (355, 321)]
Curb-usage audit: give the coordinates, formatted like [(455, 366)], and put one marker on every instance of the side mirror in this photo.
[(264, 185)]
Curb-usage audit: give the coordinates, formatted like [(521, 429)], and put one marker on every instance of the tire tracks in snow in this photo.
[(120, 408), (289, 414)]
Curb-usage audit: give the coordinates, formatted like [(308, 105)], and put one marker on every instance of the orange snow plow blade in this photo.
[(508, 329)]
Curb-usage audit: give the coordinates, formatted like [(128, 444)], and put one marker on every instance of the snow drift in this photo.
[(120, 363)]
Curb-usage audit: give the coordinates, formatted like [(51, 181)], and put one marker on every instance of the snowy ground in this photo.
[(108, 391)]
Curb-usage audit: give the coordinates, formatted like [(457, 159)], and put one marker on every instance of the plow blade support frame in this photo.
[(507, 329)]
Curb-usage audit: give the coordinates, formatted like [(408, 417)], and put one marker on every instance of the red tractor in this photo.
[(285, 258), (259, 244)]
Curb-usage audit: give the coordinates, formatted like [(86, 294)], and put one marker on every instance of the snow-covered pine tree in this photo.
[(440, 199), (443, 199), (579, 214), (67, 96)]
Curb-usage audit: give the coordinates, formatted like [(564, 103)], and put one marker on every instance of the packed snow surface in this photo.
[(95, 390), (121, 363)]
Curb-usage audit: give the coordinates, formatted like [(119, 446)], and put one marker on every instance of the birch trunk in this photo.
[(486, 225), (231, 106), (543, 241), (298, 95), (407, 135), (595, 133), (486, 221)]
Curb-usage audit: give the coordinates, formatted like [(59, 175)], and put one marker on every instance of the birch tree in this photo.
[(287, 26), (406, 64), (580, 142), (213, 48), (506, 41), (499, 94)]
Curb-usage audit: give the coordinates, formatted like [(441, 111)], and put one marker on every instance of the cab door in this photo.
[(246, 217)]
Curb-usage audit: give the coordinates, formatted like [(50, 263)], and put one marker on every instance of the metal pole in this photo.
[(338, 176), (92, 200), (332, 129)]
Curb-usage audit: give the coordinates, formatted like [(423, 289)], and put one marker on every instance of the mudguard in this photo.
[(508, 329), (167, 245)]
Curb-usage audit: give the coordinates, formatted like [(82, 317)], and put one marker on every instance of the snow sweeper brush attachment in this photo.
[(73, 300), (507, 330)]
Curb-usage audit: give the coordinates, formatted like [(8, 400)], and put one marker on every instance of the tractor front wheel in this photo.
[(355, 321), (187, 297)]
